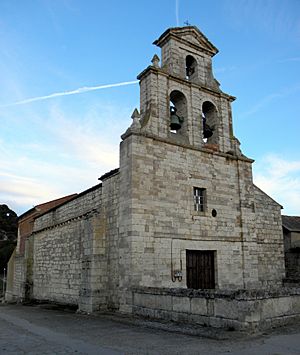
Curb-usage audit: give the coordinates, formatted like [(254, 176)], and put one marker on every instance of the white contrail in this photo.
[(177, 13), (72, 92)]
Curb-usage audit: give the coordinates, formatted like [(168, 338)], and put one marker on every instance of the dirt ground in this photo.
[(45, 329)]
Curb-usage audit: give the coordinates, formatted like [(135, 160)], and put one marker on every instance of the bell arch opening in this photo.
[(190, 67), (178, 112), (209, 122)]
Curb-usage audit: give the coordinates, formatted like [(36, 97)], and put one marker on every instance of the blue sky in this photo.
[(60, 145)]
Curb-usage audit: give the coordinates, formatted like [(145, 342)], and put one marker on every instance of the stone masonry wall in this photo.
[(64, 252), (110, 201), (271, 267), (231, 309), (292, 263), (19, 278), (164, 224), (76, 250), (10, 277)]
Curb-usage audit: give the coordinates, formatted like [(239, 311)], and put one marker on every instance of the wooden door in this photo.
[(200, 269)]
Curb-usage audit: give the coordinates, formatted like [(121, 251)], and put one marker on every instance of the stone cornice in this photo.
[(85, 215), (153, 70), (187, 146)]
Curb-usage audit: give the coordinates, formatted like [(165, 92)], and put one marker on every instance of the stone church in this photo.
[(178, 231)]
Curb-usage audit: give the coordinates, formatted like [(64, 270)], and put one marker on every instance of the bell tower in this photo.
[(185, 189), (180, 100)]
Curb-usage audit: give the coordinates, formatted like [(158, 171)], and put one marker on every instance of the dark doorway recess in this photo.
[(200, 269)]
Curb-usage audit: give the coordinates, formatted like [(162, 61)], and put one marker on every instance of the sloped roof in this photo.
[(190, 34), (75, 196), (291, 223), (109, 174), (43, 207)]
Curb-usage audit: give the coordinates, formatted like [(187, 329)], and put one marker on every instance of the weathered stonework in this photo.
[(140, 241), (227, 309), (71, 258)]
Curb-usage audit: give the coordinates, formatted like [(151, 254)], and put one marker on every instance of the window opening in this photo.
[(178, 112), (190, 67), (207, 130), (200, 269), (209, 120), (199, 199)]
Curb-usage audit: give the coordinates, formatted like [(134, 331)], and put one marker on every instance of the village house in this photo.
[(291, 236), (178, 231)]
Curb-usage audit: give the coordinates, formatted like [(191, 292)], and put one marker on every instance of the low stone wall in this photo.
[(19, 278), (227, 309), (10, 277)]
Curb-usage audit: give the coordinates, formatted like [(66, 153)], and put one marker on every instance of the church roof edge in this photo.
[(180, 31)]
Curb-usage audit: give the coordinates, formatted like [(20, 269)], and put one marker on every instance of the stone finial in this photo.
[(155, 61), (135, 114), (135, 125), (135, 119)]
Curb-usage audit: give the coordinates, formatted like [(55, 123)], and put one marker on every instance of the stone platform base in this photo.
[(240, 310)]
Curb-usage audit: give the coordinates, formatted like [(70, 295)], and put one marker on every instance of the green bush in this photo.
[(6, 249)]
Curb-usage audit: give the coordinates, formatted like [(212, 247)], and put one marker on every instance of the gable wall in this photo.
[(270, 240)]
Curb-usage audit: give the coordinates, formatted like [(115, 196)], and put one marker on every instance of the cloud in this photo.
[(21, 192), (280, 178), (70, 152), (25, 182), (271, 97), (177, 12), (72, 92), (94, 138), (292, 59), (281, 20)]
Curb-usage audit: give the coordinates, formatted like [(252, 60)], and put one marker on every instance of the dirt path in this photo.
[(35, 330)]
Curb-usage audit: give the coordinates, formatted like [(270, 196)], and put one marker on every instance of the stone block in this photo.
[(181, 304), (227, 308), (199, 306), (276, 307)]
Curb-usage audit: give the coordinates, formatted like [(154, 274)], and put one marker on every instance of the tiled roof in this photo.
[(43, 207), (75, 196), (291, 223)]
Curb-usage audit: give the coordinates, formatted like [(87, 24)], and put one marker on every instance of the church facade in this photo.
[(179, 231)]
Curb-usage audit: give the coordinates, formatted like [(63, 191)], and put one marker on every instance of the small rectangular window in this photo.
[(199, 199)]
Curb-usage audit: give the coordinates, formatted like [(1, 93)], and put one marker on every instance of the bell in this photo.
[(207, 131), (176, 121)]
